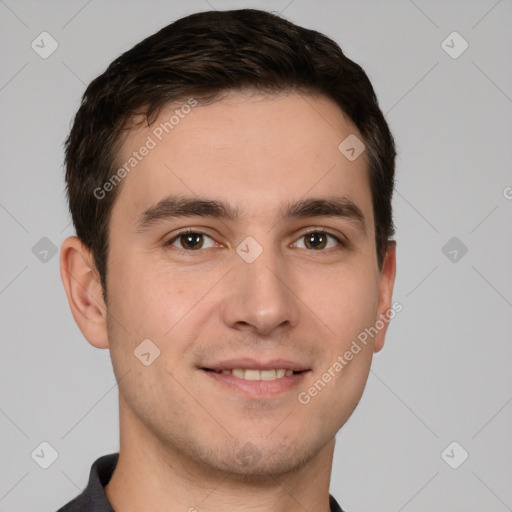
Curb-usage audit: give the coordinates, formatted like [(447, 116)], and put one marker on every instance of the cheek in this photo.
[(344, 299), (164, 304)]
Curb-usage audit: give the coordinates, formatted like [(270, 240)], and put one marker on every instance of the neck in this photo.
[(151, 475)]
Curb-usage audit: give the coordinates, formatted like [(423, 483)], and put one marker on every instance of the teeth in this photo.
[(238, 373), (266, 374), (258, 374), (252, 375)]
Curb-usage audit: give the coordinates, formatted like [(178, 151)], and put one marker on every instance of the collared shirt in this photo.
[(94, 499)]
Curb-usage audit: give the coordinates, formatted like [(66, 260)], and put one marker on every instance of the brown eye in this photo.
[(319, 241), (315, 240), (189, 241)]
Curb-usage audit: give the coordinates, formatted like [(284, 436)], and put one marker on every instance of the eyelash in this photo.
[(170, 241)]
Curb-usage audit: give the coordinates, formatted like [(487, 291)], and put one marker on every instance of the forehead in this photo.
[(255, 151)]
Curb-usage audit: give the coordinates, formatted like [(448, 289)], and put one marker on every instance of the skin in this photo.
[(183, 436)]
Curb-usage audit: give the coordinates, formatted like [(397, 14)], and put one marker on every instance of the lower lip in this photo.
[(258, 388)]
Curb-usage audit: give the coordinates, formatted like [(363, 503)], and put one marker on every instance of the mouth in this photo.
[(255, 374), (256, 380)]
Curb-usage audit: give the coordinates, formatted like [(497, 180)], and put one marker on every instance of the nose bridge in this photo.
[(260, 297), (264, 274)]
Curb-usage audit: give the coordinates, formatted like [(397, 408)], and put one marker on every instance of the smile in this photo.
[(256, 384), (252, 374)]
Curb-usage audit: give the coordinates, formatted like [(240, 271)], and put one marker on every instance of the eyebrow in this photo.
[(173, 207)]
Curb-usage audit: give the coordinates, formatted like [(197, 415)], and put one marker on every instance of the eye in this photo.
[(319, 240), (190, 241)]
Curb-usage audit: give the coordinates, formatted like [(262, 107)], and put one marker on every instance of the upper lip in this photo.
[(253, 364)]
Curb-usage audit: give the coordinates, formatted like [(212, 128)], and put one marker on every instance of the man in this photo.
[(230, 182)]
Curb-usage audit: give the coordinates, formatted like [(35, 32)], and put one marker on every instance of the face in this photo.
[(278, 271)]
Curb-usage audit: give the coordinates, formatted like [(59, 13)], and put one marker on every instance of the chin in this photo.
[(259, 461)]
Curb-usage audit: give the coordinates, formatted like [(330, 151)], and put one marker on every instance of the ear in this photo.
[(387, 281), (83, 289)]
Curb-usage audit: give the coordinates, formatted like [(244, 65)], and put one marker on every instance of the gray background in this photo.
[(444, 374)]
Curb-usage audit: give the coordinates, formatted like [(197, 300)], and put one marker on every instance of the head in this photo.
[(228, 124)]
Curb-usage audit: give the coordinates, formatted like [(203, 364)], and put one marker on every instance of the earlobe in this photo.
[(387, 281), (84, 292)]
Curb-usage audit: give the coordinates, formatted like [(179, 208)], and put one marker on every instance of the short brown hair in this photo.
[(203, 56)]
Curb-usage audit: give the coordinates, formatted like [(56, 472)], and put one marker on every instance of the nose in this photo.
[(260, 296)]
